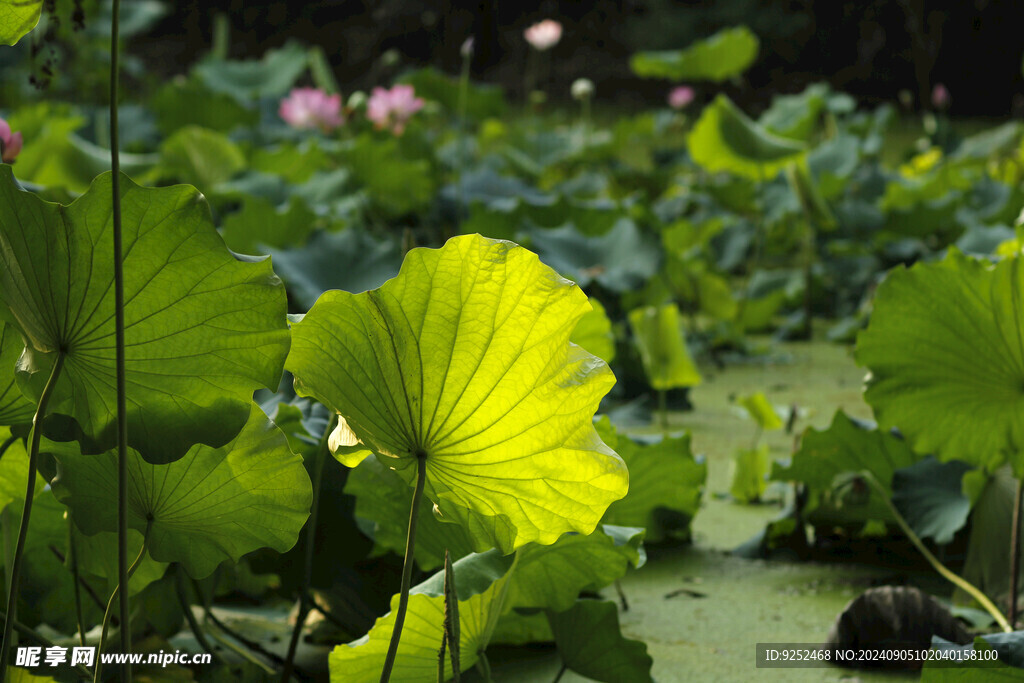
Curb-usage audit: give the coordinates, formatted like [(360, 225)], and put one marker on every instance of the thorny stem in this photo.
[(321, 456), (410, 545), (19, 549), (950, 576)]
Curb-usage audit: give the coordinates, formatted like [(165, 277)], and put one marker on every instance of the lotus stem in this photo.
[(119, 352), (410, 546), (950, 576), (320, 457), (26, 514), (1015, 552), (119, 590)]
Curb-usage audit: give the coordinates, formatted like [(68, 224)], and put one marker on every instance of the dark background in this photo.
[(870, 48)]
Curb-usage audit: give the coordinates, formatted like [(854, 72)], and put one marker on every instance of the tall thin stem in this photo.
[(73, 561), (410, 546), (950, 576), (321, 455), (122, 410), (19, 549), (1015, 552), (119, 590)]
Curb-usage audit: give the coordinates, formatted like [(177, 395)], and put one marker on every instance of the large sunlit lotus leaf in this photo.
[(271, 76), (480, 101), (844, 448), (718, 58), (464, 360), (666, 484), (351, 260), (200, 157), (481, 582), (659, 338), (14, 407), (591, 644), (594, 332), (552, 576), (621, 260), (725, 139), (259, 223), (203, 328), (382, 508), (945, 347), (212, 505), (18, 17)]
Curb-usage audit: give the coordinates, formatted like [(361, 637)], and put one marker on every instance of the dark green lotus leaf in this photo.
[(846, 448), (14, 407), (664, 477), (481, 101), (987, 563), (203, 328), (947, 339), (724, 55), (464, 360), (382, 501), (795, 116), (621, 260), (212, 505), (552, 576), (259, 222), (590, 643), (928, 494), (271, 76), (47, 587), (97, 560), (200, 157), (397, 185), (14, 472), (350, 260), (725, 139), (18, 17), (181, 103)]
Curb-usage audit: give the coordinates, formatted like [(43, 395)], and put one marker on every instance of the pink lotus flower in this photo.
[(544, 35), (306, 108), (940, 96), (680, 96), (9, 142), (393, 108)]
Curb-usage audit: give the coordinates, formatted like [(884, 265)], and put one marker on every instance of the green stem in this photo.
[(1015, 552), (410, 546), (321, 455), (484, 666), (8, 442), (73, 561), (560, 673), (663, 411), (26, 514), (186, 608), (933, 561), (116, 595), (440, 658), (35, 637), (122, 410)]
